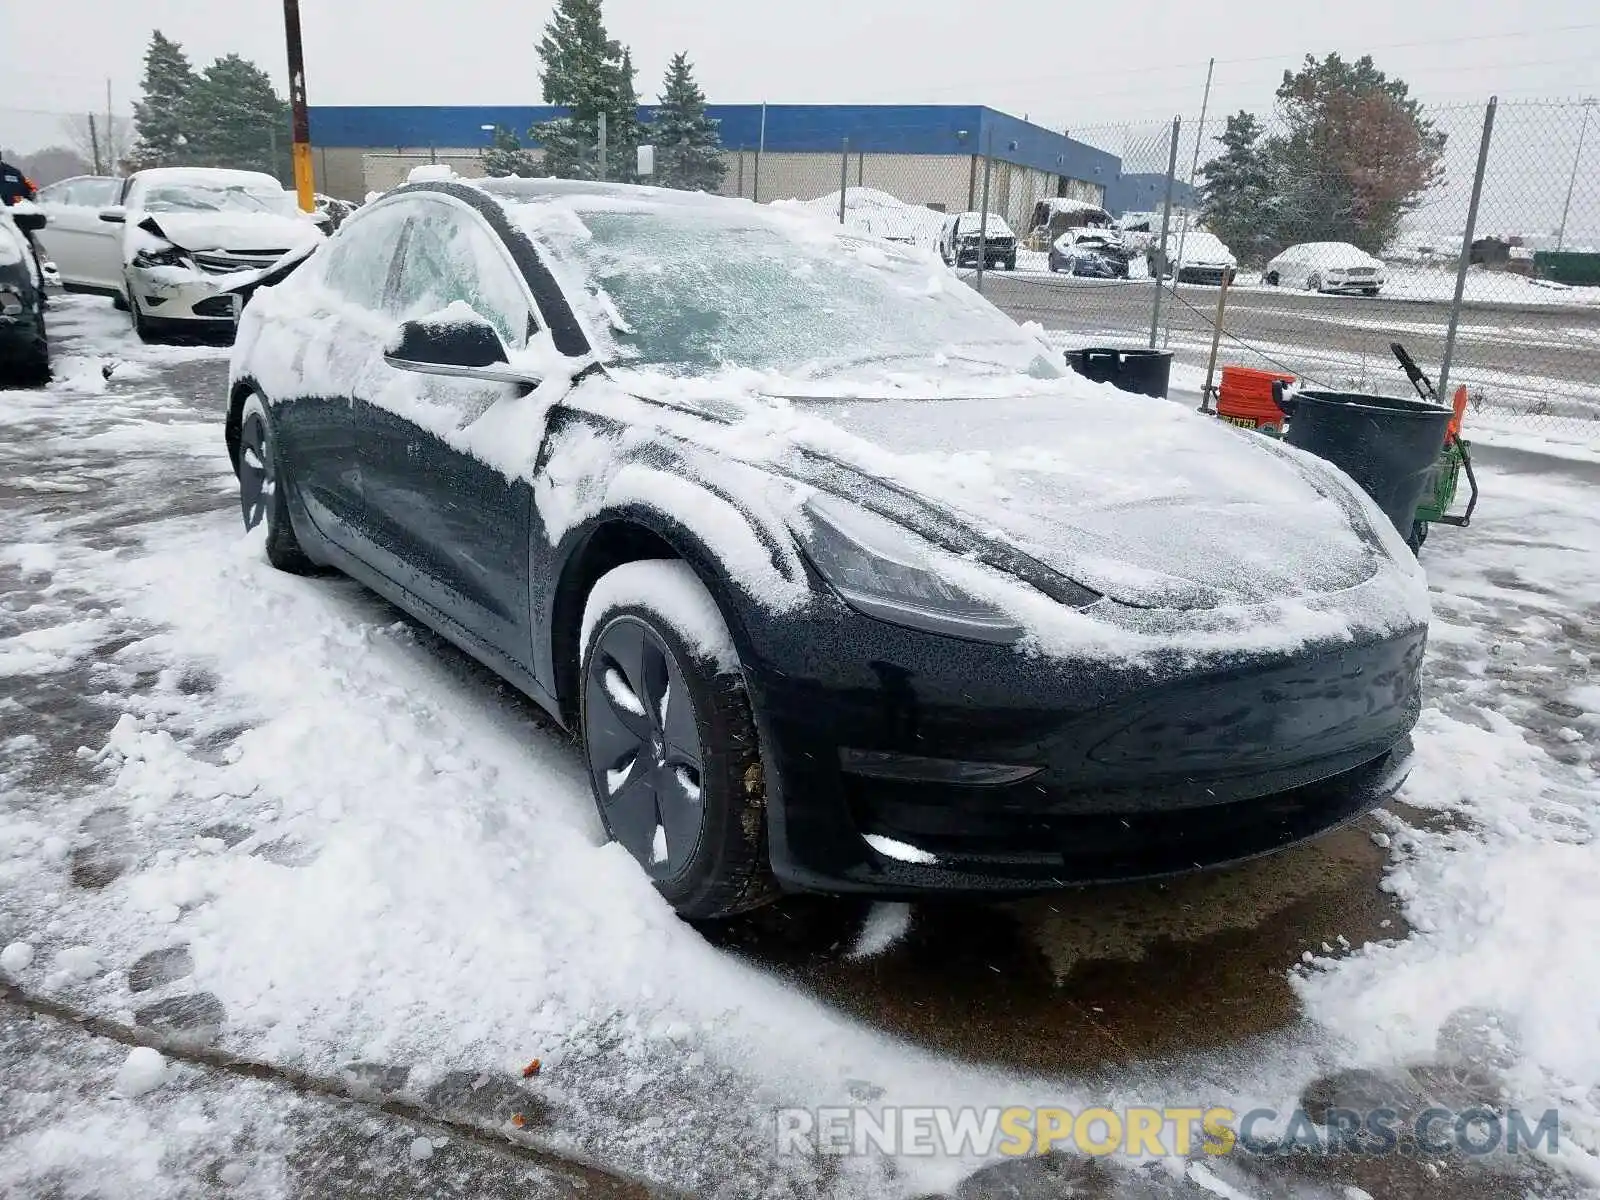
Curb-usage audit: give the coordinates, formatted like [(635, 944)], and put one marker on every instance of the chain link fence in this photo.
[(1332, 256), (1334, 245)]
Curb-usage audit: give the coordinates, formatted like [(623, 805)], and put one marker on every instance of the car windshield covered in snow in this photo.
[(694, 293), (207, 197)]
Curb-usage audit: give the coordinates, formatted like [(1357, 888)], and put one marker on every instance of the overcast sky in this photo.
[(1132, 60)]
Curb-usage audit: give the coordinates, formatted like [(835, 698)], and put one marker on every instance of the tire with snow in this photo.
[(143, 326), (671, 744), (261, 494)]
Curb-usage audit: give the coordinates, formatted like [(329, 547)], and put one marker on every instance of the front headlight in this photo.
[(887, 572), (160, 256)]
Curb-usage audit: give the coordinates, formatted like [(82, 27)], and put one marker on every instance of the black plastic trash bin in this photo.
[(1386, 444), (1146, 372)]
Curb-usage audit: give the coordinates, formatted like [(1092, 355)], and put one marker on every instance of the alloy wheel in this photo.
[(258, 482), (644, 747)]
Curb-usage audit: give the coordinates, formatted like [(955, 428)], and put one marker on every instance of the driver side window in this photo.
[(450, 255)]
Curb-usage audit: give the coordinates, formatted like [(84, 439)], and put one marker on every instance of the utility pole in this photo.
[(304, 180), (1166, 221), (1583, 132), (111, 136), (600, 145), (94, 144), (1194, 167)]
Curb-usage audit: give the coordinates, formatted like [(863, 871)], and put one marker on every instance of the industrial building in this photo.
[(932, 155)]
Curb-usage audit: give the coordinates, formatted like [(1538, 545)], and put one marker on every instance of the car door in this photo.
[(447, 526), (337, 335), (86, 249)]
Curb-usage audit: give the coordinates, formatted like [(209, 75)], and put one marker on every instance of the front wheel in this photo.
[(674, 760), (143, 326), (1271, 278), (261, 493)]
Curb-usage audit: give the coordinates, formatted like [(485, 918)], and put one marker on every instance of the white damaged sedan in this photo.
[(178, 240)]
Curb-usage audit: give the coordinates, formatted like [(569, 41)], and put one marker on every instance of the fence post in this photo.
[(983, 212), (844, 177), (1166, 222), (761, 148), (1466, 249), (1216, 337)]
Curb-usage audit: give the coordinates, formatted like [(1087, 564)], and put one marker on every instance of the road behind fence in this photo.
[(1502, 297)]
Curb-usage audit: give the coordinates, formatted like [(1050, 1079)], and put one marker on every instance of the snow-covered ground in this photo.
[(266, 814)]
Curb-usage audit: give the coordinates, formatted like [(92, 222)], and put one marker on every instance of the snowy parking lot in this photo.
[(350, 886)]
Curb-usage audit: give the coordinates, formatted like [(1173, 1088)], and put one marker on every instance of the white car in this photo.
[(1326, 267), (167, 242)]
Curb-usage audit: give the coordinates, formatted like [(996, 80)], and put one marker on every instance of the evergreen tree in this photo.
[(507, 157), (236, 119), (688, 147), (589, 73), (1238, 195), (162, 108)]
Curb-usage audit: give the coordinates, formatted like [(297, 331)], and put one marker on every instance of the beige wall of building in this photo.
[(953, 183)]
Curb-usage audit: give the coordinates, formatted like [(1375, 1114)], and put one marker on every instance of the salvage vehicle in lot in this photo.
[(1095, 253), (967, 235), (24, 343), (739, 499), (1326, 267), (1205, 258), (166, 241)]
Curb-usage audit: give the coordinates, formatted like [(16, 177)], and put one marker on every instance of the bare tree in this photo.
[(94, 145)]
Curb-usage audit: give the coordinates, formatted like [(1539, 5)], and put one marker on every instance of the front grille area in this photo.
[(1363, 272), (223, 262)]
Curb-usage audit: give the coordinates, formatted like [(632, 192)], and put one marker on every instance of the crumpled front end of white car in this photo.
[(172, 283)]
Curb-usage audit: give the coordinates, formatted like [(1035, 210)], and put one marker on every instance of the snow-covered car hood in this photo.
[(231, 231), (1143, 502), (1151, 511)]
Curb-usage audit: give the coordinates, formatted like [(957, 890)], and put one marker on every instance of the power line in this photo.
[(1279, 56)]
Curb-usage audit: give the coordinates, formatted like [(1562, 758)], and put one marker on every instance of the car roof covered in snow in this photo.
[(204, 177)]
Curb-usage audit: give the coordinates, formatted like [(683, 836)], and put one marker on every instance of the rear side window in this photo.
[(356, 262)]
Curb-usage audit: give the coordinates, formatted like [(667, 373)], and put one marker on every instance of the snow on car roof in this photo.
[(972, 220), (205, 177), (1330, 252)]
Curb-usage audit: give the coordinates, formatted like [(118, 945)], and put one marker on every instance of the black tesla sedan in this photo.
[(842, 580)]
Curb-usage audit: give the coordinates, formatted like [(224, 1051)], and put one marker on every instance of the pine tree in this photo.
[(688, 147), (236, 119), (161, 110), (589, 73), (507, 157)]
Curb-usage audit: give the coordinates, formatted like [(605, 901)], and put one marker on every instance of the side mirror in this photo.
[(31, 221), (455, 341), (115, 215)]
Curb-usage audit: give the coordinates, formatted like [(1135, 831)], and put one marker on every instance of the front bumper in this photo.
[(179, 294), (1205, 274), (1347, 286), (1135, 777)]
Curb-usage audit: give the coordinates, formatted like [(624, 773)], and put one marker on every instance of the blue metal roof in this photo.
[(793, 128), (1146, 191)]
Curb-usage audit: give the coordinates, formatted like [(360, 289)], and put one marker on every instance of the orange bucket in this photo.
[(1245, 399)]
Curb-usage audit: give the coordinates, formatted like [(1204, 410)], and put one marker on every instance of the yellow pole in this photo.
[(304, 179)]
